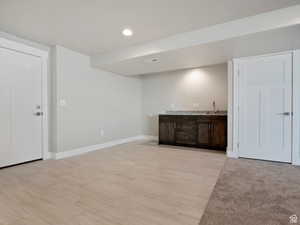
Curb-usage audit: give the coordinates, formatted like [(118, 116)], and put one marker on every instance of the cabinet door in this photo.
[(219, 134), (186, 131), (204, 136), (166, 131)]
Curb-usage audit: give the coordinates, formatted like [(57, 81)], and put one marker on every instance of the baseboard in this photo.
[(150, 138), (296, 162), (47, 155), (232, 154), (83, 150)]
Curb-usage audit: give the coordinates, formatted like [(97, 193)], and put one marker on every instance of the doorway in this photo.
[(23, 119), (264, 111)]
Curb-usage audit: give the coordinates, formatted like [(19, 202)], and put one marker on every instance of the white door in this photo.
[(265, 113), (20, 103)]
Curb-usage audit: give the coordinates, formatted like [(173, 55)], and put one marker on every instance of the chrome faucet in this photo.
[(214, 106)]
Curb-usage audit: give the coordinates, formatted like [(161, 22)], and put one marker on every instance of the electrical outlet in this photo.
[(196, 105), (62, 102)]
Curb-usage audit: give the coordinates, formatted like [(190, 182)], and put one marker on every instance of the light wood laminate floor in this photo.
[(138, 183)]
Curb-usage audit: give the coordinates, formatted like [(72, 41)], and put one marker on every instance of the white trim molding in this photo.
[(91, 148), (43, 54), (296, 108), (230, 108), (17, 46), (232, 154), (235, 108), (150, 138)]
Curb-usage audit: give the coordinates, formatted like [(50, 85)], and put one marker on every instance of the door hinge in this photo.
[(238, 145)]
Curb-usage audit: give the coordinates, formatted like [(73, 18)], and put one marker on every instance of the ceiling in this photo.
[(94, 26), (212, 53)]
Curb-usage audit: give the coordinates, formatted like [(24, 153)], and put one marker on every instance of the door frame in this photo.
[(44, 55), (234, 78)]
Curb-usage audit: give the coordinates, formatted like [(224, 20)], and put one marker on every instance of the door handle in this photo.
[(38, 113), (284, 114)]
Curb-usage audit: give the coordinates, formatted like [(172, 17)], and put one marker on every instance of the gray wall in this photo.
[(95, 100), (192, 89), (123, 106), (120, 106)]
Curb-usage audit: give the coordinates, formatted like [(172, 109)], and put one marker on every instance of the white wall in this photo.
[(123, 106), (192, 89), (101, 100), (95, 100)]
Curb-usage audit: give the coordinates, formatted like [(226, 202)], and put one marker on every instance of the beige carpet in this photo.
[(250, 192)]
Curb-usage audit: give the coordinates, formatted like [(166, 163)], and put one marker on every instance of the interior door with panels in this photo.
[(265, 114), (20, 101)]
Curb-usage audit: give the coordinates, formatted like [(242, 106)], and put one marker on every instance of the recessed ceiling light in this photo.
[(127, 32)]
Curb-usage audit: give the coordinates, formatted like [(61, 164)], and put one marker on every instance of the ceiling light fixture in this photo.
[(152, 60), (127, 32)]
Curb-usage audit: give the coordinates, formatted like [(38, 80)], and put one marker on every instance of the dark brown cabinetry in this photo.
[(185, 131), (166, 130), (203, 131)]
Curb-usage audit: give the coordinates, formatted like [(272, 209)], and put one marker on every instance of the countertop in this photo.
[(195, 113)]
